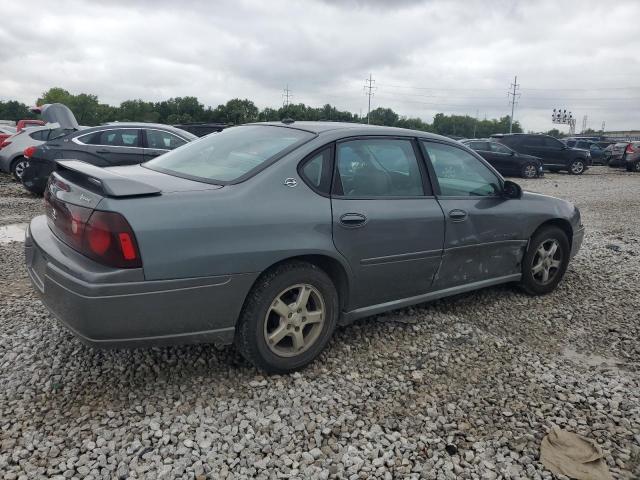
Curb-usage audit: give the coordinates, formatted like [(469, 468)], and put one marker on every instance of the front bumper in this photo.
[(576, 242), (117, 308)]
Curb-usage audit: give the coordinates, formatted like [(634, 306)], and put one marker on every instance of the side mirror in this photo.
[(511, 189)]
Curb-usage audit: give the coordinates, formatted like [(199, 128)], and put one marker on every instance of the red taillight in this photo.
[(6, 143), (105, 237), (629, 149), (108, 239), (29, 151)]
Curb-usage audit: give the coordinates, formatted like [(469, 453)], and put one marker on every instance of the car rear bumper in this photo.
[(117, 308), (576, 243)]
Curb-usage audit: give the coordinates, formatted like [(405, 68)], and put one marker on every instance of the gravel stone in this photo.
[(462, 388)]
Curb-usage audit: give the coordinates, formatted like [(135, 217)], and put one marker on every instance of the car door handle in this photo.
[(458, 215), (353, 220), (104, 150)]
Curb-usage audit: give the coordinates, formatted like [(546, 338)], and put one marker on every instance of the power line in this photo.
[(499, 89), (369, 89), (513, 96)]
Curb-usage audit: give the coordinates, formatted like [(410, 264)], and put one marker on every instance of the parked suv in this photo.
[(597, 149), (104, 146), (505, 160), (554, 154)]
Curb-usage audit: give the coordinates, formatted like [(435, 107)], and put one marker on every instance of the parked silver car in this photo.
[(271, 234), (60, 121)]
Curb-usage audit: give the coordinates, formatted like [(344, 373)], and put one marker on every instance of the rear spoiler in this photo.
[(111, 184)]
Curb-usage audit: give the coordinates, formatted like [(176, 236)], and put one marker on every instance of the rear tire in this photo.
[(576, 167), (530, 170), (545, 261), (17, 168), (288, 318), (635, 167)]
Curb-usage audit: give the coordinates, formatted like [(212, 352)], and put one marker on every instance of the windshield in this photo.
[(230, 154)]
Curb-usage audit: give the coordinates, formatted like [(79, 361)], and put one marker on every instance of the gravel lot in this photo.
[(461, 388)]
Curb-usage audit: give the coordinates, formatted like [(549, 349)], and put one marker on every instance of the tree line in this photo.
[(89, 111)]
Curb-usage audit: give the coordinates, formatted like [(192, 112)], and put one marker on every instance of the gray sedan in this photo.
[(270, 235)]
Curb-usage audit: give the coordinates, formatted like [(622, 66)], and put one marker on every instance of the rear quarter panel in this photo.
[(241, 228)]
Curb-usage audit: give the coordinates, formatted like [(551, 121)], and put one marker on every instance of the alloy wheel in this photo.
[(294, 320), (547, 261), (530, 171), (577, 168), (19, 169), (636, 166)]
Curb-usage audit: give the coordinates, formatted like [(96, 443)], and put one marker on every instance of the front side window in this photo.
[(163, 140), (459, 173), (552, 142), (499, 148), (482, 146), (377, 167), (230, 154), (125, 137)]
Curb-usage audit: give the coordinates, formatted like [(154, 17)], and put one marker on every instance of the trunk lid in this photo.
[(57, 113)]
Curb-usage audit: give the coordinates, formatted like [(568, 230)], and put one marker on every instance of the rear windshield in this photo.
[(230, 154)]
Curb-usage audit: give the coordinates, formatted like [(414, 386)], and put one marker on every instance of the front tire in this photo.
[(288, 318), (530, 170), (576, 167), (17, 168), (545, 261)]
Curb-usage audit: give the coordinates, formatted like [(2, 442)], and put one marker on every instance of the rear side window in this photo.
[(126, 137), (316, 171), (378, 168), (231, 154), (162, 140), (534, 141), (40, 135)]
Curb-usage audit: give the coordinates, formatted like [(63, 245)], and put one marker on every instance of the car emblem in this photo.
[(54, 214), (291, 182), (86, 199)]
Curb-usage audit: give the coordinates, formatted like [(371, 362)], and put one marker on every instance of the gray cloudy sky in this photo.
[(426, 56)]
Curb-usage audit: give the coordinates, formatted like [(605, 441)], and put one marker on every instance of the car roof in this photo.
[(159, 126), (353, 129)]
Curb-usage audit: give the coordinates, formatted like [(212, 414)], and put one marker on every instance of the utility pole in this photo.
[(475, 124), (584, 123), (286, 95), (602, 129), (513, 95), (369, 88)]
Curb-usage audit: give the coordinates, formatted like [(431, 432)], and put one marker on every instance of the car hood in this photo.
[(57, 113), (164, 182)]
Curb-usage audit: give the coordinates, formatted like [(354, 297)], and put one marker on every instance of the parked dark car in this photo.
[(555, 155), (617, 153), (104, 146), (508, 162), (631, 157), (201, 129), (596, 149), (269, 235)]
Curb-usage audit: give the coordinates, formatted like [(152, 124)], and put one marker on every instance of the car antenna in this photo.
[(288, 121)]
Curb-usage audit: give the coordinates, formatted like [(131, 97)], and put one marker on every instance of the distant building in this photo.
[(623, 135)]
